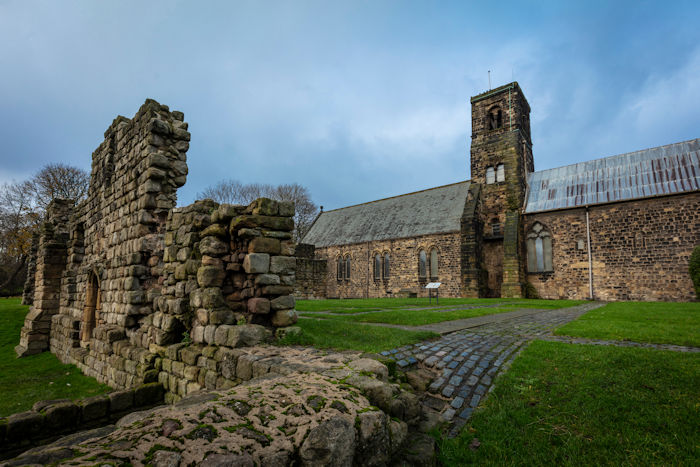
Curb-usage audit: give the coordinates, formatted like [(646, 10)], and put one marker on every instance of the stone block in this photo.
[(283, 318), (286, 208), (221, 335), (221, 316), (246, 335), (256, 263), (259, 306), (189, 354), (285, 224), (265, 207), (284, 302), (212, 246), (214, 230), (209, 334), (264, 245), (267, 279), (120, 401), (210, 276), (283, 264), (290, 331), (244, 368), (148, 394), (24, 426), (94, 408), (277, 290)]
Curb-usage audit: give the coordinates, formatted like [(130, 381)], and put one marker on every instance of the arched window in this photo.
[(433, 263), (422, 259), (377, 267), (386, 265), (347, 268), (539, 249), (500, 173), (93, 305), (340, 268), (490, 175)]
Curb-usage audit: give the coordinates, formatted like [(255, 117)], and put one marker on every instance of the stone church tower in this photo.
[(501, 158)]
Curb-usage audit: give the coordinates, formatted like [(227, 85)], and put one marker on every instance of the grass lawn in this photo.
[(351, 336), (655, 322), (24, 381), (398, 313), (563, 404), (354, 305)]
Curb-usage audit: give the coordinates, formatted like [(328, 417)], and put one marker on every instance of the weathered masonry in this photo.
[(132, 290), (617, 228)]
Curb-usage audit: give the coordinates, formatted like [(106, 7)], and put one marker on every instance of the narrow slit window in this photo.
[(339, 273), (422, 260), (377, 267), (386, 265), (347, 268)]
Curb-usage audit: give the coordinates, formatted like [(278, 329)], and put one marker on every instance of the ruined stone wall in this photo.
[(640, 250), (49, 266), (115, 245), (28, 291), (403, 274), (124, 276)]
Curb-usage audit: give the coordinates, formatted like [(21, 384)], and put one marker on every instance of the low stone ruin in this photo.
[(302, 407)]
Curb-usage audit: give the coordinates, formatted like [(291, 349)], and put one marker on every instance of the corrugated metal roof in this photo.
[(674, 168), (436, 210)]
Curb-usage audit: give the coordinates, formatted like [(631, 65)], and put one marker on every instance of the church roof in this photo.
[(674, 168), (436, 210)]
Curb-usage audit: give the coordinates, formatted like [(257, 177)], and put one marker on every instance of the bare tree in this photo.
[(19, 219), (23, 205), (234, 192), (59, 181)]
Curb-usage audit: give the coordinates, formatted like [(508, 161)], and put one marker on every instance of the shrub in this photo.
[(530, 291), (694, 269)]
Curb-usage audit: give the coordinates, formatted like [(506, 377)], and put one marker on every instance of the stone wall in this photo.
[(640, 250), (403, 274), (49, 419), (49, 265), (28, 291), (311, 273), (123, 276)]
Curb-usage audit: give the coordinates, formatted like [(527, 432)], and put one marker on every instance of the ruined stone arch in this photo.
[(92, 308)]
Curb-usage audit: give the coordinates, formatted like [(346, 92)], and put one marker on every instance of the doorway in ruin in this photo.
[(93, 306)]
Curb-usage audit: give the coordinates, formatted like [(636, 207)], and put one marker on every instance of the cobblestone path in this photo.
[(469, 360)]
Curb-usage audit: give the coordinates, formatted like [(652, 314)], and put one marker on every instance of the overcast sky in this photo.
[(356, 100)]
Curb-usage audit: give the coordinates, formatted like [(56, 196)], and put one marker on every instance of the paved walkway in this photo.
[(443, 327), (469, 360)]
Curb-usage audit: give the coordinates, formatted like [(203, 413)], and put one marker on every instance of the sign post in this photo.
[(434, 286)]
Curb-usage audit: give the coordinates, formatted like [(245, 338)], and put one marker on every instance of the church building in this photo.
[(618, 228)]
